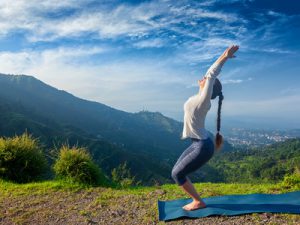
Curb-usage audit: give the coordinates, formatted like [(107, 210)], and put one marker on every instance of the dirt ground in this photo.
[(93, 207)]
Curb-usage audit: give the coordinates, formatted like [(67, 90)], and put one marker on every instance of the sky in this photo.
[(148, 55)]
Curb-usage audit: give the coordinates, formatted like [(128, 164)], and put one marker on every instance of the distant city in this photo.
[(241, 137)]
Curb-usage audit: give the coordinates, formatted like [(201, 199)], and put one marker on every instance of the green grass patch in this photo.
[(216, 189), (42, 187), (172, 190)]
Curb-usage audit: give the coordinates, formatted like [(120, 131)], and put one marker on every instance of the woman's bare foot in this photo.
[(194, 205)]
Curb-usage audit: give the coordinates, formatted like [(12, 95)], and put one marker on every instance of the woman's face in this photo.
[(202, 83)]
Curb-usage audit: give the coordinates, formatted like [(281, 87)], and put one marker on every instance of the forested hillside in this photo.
[(263, 164)]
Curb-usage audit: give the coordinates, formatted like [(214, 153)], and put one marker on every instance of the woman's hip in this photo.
[(198, 152), (203, 148)]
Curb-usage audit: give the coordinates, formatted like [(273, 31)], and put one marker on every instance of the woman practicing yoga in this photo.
[(202, 147)]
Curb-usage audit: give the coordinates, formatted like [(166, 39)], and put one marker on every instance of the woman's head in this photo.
[(217, 88)]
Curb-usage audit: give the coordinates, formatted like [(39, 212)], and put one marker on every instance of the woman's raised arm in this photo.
[(214, 71)]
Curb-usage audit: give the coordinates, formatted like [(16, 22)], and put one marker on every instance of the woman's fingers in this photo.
[(231, 50), (236, 47)]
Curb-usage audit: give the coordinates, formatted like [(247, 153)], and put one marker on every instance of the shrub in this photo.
[(292, 179), (122, 177), (21, 159), (75, 164)]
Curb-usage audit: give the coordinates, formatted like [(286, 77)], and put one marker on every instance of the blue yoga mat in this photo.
[(232, 205)]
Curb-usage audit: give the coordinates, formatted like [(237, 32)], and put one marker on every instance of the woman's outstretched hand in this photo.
[(229, 52)]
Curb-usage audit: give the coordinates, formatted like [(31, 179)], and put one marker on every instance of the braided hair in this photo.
[(217, 91)]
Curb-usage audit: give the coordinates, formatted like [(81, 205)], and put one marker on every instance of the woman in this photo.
[(202, 147)]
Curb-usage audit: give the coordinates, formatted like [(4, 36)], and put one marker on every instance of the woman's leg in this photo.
[(177, 172), (184, 154), (189, 188), (197, 202), (192, 159)]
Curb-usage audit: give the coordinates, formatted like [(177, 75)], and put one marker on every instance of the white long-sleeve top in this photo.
[(197, 106)]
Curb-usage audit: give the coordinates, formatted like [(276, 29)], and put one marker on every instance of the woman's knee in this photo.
[(174, 174), (178, 177)]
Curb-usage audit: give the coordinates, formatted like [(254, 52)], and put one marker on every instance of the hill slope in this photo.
[(14, 120), (262, 164)]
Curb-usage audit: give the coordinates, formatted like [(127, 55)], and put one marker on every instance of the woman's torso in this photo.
[(195, 112)]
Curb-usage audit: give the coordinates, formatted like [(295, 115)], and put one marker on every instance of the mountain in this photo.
[(94, 118), (149, 141)]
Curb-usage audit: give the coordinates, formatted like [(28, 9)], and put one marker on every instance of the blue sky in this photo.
[(135, 55)]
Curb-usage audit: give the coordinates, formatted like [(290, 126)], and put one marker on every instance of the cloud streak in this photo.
[(106, 22)]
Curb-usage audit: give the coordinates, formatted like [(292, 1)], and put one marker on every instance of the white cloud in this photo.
[(107, 21), (205, 14), (270, 50), (28, 15), (24, 61), (232, 81), (150, 43), (16, 63), (220, 42), (236, 81)]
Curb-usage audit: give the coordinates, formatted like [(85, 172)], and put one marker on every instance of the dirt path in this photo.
[(97, 206)]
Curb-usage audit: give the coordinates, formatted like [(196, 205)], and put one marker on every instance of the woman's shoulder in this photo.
[(192, 99)]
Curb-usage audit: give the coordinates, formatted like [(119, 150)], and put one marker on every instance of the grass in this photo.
[(172, 191), (15, 189), (85, 203)]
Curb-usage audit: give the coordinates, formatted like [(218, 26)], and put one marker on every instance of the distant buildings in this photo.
[(239, 137)]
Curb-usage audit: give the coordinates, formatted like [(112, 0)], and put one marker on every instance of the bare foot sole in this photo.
[(194, 205)]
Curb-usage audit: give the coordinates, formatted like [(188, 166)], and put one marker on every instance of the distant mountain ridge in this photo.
[(28, 103)]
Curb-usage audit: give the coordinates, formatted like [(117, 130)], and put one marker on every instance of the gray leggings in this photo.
[(195, 156)]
